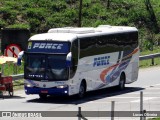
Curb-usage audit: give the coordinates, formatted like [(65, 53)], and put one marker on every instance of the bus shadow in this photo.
[(90, 96)]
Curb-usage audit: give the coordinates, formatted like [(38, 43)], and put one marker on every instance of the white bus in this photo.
[(76, 60)]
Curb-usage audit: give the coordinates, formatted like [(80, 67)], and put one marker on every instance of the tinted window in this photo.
[(35, 66), (88, 46), (108, 43), (74, 50), (56, 67)]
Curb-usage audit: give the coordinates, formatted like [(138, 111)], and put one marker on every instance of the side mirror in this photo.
[(20, 58), (69, 59)]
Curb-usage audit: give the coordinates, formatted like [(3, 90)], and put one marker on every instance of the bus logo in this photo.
[(29, 45), (100, 61), (47, 46)]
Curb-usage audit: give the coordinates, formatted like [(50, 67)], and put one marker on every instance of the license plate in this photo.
[(44, 91)]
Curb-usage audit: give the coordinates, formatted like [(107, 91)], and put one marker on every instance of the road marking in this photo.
[(145, 93), (132, 97), (144, 99), (117, 102), (109, 102), (151, 86)]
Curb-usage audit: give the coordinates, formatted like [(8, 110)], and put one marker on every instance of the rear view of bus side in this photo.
[(77, 60)]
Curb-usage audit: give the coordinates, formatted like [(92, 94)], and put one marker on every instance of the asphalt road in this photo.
[(126, 100)]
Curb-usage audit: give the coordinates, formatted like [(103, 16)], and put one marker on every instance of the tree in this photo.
[(80, 13), (153, 19), (108, 3)]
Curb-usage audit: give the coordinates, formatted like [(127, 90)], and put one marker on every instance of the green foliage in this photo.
[(11, 68), (154, 119), (156, 49), (8, 15), (18, 84), (2, 23), (25, 26), (41, 15), (122, 21), (148, 63), (37, 13), (34, 24), (58, 6)]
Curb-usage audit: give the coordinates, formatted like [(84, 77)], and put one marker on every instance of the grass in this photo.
[(156, 49), (154, 119), (148, 63), (18, 84)]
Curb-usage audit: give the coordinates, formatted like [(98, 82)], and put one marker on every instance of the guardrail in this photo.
[(150, 56), (145, 57), (17, 77)]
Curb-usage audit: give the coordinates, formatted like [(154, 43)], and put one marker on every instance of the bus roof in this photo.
[(71, 33)]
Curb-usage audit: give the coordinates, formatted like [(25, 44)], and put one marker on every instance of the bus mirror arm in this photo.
[(20, 55)]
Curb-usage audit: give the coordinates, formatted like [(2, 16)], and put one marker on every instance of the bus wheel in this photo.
[(121, 85), (43, 96), (82, 90)]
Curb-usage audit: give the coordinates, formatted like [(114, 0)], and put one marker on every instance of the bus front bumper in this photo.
[(49, 91)]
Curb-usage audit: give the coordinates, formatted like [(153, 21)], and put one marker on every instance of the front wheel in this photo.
[(82, 90), (43, 96), (121, 85)]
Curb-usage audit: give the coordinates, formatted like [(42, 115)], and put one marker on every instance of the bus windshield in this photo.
[(46, 67)]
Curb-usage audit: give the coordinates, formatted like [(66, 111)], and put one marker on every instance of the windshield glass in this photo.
[(35, 66), (56, 67), (45, 67)]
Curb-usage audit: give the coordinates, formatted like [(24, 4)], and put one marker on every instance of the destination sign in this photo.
[(50, 47)]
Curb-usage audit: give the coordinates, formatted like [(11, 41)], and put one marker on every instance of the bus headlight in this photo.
[(27, 85), (62, 86)]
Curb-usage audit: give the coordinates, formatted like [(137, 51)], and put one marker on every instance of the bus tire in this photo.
[(121, 85), (43, 96), (82, 90)]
